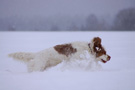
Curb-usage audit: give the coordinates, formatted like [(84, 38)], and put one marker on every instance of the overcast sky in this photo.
[(41, 8)]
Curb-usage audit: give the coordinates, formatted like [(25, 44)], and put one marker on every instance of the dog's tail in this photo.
[(22, 56)]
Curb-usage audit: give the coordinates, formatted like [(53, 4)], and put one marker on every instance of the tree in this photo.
[(92, 22), (125, 20), (54, 28)]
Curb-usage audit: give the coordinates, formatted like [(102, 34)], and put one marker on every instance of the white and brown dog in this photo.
[(52, 56)]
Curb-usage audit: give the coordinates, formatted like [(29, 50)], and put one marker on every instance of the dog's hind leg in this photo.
[(30, 66)]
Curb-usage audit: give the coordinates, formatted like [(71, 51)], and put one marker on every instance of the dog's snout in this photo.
[(108, 58)]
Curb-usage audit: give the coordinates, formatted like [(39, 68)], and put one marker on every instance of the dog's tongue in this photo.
[(104, 61)]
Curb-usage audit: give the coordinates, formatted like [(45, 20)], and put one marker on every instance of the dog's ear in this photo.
[(97, 41), (97, 44)]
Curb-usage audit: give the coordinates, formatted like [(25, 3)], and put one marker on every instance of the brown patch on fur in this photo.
[(65, 49), (100, 52), (97, 41), (98, 47)]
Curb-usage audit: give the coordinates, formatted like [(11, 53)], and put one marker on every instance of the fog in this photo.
[(60, 14)]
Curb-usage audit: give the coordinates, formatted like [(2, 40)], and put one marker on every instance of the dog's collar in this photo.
[(89, 47)]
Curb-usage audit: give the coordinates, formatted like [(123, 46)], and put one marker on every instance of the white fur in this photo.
[(50, 57)]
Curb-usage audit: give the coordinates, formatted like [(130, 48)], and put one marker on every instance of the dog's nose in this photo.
[(108, 58)]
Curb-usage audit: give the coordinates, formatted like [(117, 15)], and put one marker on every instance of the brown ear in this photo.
[(97, 44), (97, 40)]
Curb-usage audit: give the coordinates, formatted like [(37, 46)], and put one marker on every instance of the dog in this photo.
[(53, 56)]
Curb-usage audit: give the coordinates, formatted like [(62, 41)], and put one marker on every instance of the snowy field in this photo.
[(117, 74)]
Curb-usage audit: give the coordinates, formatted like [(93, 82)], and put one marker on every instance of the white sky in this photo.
[(41, 8)]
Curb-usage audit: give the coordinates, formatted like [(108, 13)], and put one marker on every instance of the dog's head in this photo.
[(98, 50)]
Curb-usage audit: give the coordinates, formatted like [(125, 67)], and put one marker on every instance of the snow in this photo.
[(117, 74)]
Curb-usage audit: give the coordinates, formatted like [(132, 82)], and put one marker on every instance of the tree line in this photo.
[(124, 20)]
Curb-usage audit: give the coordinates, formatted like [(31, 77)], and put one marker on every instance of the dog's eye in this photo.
[(98, 49)]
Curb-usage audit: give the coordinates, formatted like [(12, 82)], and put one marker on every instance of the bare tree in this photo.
[(125, 20), (91, 22)]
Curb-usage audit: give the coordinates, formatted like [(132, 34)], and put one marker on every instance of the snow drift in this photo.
[(117, 74)]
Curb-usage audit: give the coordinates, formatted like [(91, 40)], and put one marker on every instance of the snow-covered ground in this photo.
[(117, 74)]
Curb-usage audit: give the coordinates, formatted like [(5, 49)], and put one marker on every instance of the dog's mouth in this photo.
[(103, 61)]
